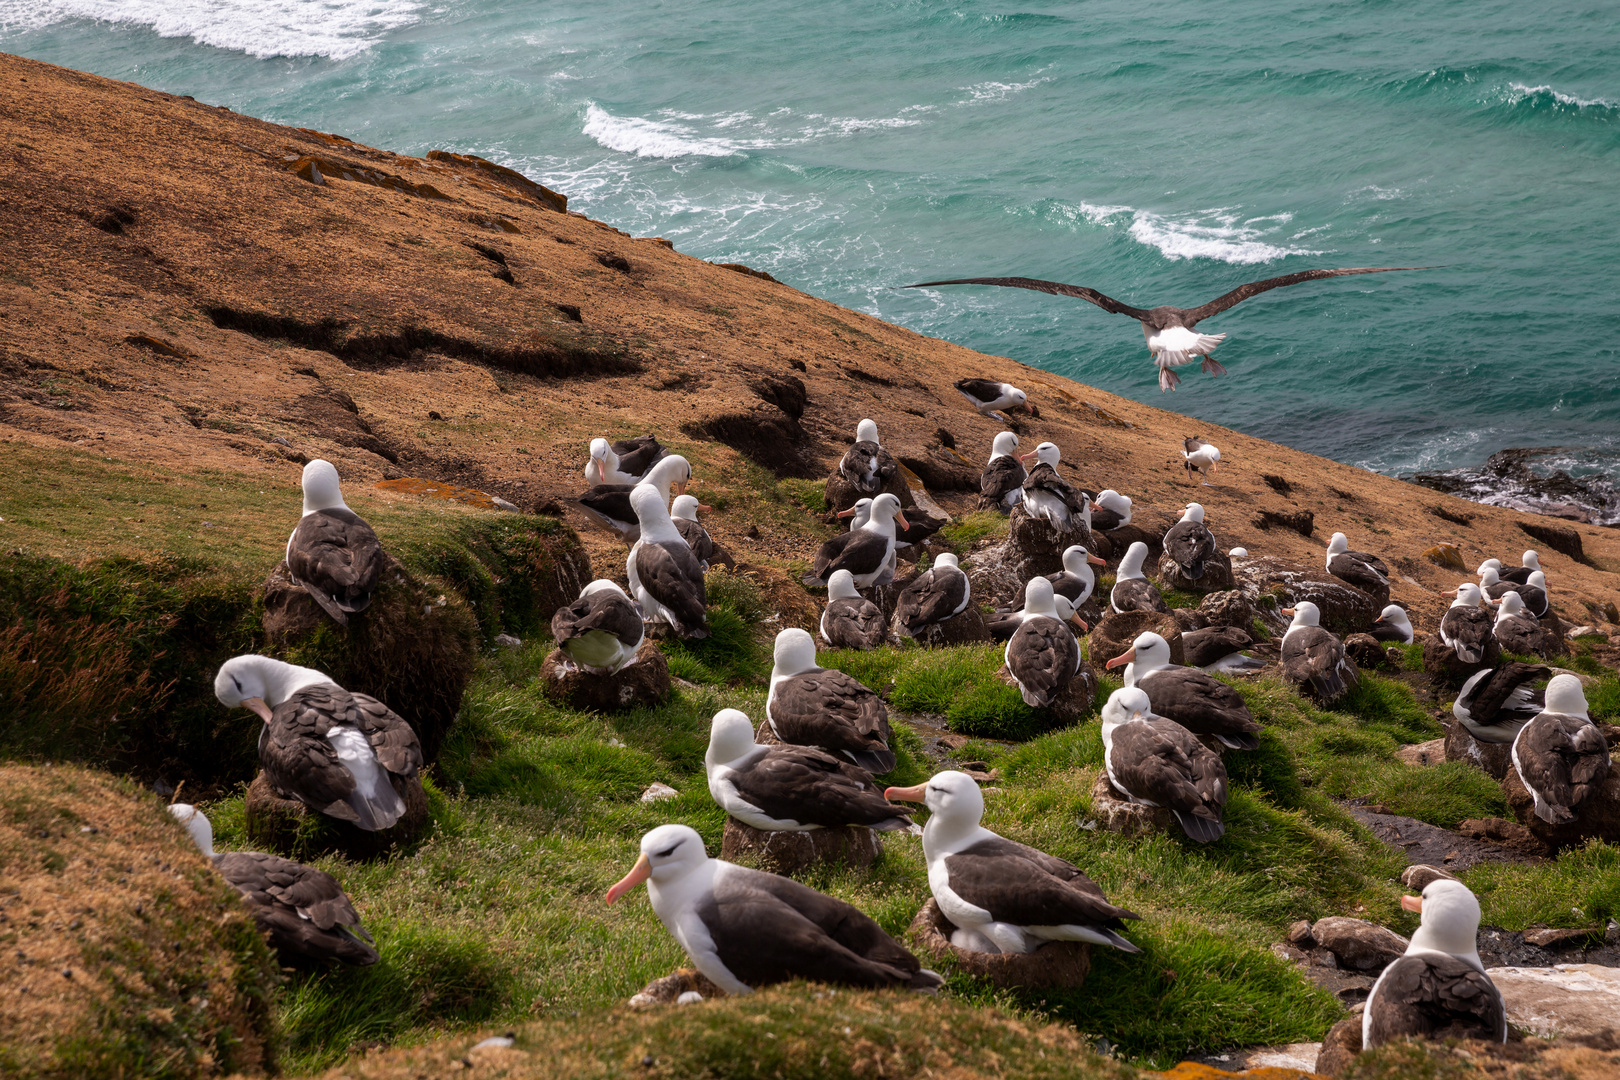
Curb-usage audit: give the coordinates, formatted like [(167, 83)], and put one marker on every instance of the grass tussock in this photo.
[(960, 684), (969, 529)]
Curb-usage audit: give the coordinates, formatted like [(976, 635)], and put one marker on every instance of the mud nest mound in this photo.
[(1055, 965), (288, 827), (644, 682), (126, 954)]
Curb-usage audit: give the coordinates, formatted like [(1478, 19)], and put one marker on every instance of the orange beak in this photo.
[(1026, 457), (1081, 623), (705, 508), (1288, 611), (1094, 561), (907, 794), (638, 874), (1412, 903), (680, 486), (1123, 658), (258, 706), (901, 518), (847, 513)]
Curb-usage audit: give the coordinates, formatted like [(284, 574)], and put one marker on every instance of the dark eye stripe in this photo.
[(667, 851)]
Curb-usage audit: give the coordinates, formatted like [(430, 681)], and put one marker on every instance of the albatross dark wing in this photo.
[(1495, 692), (638, 455), (338, 559), (1191, 545), (1435, 996), (1202, 704), (831, 710), (934, 597), (299, 761), (810, 786), (1005, 474), (1562, 760), (1164, 763), (1056, 288), (1191, 316), (606, 611), (1025, 887), (853, 623), (392, 738), (1201, 647), (301, 910), (671, 575), (1042, 655)]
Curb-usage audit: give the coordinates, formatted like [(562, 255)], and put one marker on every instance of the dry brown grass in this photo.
[(125, 953)]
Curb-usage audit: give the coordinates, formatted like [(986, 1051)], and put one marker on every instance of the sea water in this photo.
[(1161, 153)]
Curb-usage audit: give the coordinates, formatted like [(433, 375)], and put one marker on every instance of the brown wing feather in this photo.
[(1042, 656), (1000, 476), (1017, 890), (831, 710), (932, 598), (301, 910), (1056, 288), (1431, 995), (810, 786), (336, 552), (671, 575), (298, 760), (1191, 316), (390, 735), (1201, 703), (1163, 762), (855, 624)]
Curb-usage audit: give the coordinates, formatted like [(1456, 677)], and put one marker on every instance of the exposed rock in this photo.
[(1441, 660), (1509, 834), (841, 494), (1271, 583), (1300, 934), (1217, 576), (789, 853), (1339, 1047), (1115, 812), (1366, 651), (1432, 752), (1055, 965), (1113, 635), (1230, 608), (1569, 1000), (1561, 538), (1187, 619), (1496, 759), (1598, 816), (1358, 943), (288, 827), (1446, 555), (1421, 842), (645, 682), (1418, 877), (671, 988), (658, 792), (1037, 546)]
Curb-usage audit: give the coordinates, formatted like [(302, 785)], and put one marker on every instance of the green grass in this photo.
[(969, 529)]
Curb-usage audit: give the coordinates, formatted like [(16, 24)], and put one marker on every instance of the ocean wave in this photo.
[(677, 134), (979, 93), (260, 28), (1218, 234), (1545, 97), (652, 138)]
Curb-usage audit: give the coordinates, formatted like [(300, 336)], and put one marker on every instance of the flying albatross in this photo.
[(1169, 330)]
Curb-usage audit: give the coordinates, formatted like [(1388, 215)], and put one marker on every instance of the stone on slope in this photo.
[(1229, 608), (1358, 943), (790, 853), (1496, 759), (1568, 1000)]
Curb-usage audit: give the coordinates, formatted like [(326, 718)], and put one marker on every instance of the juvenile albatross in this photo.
[(1169, 330)]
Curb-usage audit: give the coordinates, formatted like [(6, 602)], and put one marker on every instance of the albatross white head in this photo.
[(1450, 920), (1338, 545), (841, 586), (673, 471), (1489, 575), (1147, 654), (1565, 696), (731, 735), (1194, 512), (669, 856), (1530, 559), (603, 585), (197, 824), (1077, 562), (1039, 599), (1130, 567), (866, 431), (260, 683), (1395, 615), (948, 560), (1109, 499), (886, 515), (1044, 454), (1490, 564), (1469, 595), (1004, 445), (686, 507), (1512, 604), (956, 805), (795, 654), (1538, 580), (653, 515), (322, 491), (1304, 614), (1123, 706)]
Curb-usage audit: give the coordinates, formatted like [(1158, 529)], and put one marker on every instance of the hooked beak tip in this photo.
[(1096, 561)]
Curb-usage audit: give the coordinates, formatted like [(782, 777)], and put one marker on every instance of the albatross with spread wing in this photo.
[(1169, 330)]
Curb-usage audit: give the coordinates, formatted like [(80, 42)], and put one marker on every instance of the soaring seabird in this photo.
[(1561, 756), (1366, 572), (790, 788), (941, 593), (610, 505), (1197, 701), (665, 577), (1110, 510), (1003, 896), (1515, 629), (850, 621), (332, 552), (303, 911), (334, 751), (1496, 702), (1050, 497), (683, 512), (601, 631), (814, 706), (1190, 543), (1517, 575), (1042, 655), (1219, 650), (1169, 330), (623, 462), (1201, 455), (1466, 625), (988, 396), (1392, 624), (1314, 658), (1438, 989), (1132, 591), (1158, 762), (866, 464), (869, 553), (1076, 580), (745, 928), (1001, 484)]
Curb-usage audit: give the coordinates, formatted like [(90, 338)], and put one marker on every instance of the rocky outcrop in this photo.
[(1496, 759), (790, 853), (1230, 608), (1340, 1046), (644, 682), (1035, 546), (1272, 584), (1366, 651), (1055, 965), (1113, 635), (1442, 661), (966, 628), (1562, 1002)]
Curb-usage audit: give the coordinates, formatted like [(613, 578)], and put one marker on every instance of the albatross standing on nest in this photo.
[(866, 464), (1169, 330), (332, 552)]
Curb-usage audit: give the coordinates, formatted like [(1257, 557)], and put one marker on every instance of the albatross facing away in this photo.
[(1159, 762), (601, 631), (1561, 757), (745, 928), (1002, 482), (333, 553), (809, 705), (1169, 330)]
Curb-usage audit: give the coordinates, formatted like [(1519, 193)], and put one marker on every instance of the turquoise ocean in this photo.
[(1159, 152)]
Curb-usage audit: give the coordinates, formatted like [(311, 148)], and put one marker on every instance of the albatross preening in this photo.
[(334, 751), (814, 706), (866, 464), (1003, 896), (850, 621), (1169, 330), (601, 631), (1190, 543), (1197, 701), (1561, 756), (665, 577), (988, 396), (1438, 989), (1001, 484), (745, 928), (610, 504), (303, 911), (1219, 650), (332, 553), (790, 788), (1158, 762)]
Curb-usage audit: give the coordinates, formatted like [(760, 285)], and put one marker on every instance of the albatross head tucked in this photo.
[(197, 824), (841, 586), (1565, 695), (260, 683), (321, 488), (795, 654), (1123, 706), (731, 735), (1005, 445), (1450, 914)]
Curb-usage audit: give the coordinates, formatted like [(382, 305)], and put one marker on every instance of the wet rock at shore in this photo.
[(1508, 479)]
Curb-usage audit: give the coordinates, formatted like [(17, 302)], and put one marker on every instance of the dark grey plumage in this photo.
[(301, 763), (337, 559), (302, 910)]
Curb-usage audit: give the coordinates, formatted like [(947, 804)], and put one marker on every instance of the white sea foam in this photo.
[(998, 91), (330, 28), (652, 138), (674, 134), (1214, 234), (1520, 92)]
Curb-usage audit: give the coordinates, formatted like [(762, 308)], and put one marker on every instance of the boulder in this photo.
[(1561, 1002), (1442, 661), (1271, 583), (288, 827), (1554, 636), (1230, 608), (1147, 526), (1496, 759), (1598, 816), (1115, 812), (1299, 934), (1113, 635), (644, 682), (671, 988), (1217, 576), (1357, 943), (1446, 556), (1509, 834), (1055, 965), (964, 629), (1366, 651), (789, 853), (1339, 1047), (413, 649), (1037, 546)]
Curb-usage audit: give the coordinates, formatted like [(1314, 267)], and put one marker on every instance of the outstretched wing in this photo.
[(1191, 316), (1057, 288)]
